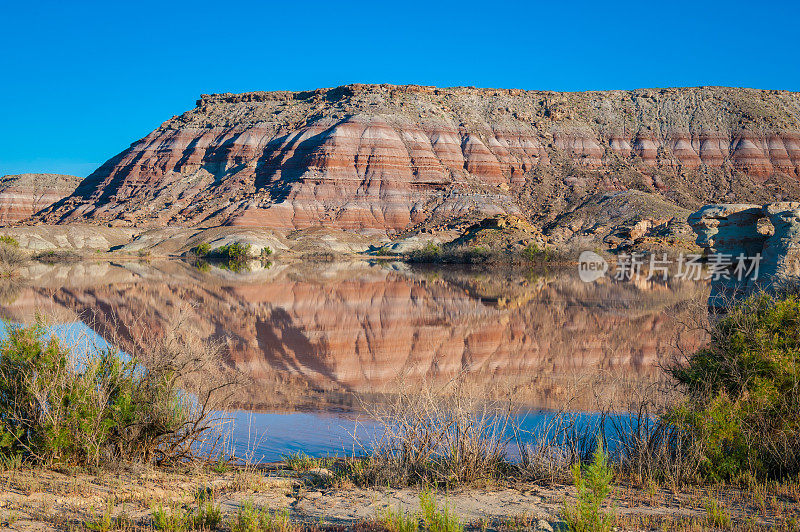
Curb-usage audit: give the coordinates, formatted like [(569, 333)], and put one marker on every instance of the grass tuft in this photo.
[(437, 519), (716, 515), (252, 519)]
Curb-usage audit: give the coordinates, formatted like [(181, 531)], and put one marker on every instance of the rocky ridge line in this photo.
[(399, 158)]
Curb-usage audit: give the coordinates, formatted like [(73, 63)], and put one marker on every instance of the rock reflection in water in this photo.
[(309, 336)]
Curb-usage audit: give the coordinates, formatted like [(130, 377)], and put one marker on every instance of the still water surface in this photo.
[(315, 340)]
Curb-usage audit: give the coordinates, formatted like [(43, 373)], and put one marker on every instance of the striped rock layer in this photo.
[(23, 195), (393, 157)]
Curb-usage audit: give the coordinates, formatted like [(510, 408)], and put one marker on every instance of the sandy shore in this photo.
[(77, 500)]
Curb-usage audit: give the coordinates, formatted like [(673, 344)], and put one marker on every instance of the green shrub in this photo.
[(430, 253), (593, 484), (716, 515), (533, 253), (235, 251), (252, 519), (399, 520), (53, 409), (9, 240), (479, 254), (201, 250), (170, 519), (302, 462), (221, 466), (207, 516), (103, 522), (743, 405), (234, 256)]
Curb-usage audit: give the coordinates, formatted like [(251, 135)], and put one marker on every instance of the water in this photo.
[(269, 437), (317, 340)]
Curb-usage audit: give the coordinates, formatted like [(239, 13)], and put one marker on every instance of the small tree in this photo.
[(593, 484)]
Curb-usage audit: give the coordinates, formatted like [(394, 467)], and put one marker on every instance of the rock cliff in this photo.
[(767, 238), (25, 194), (396, 158)]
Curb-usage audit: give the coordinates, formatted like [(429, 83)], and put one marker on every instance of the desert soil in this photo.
[(76, 500)]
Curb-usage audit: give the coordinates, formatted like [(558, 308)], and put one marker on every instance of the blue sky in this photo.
[(80, 81)]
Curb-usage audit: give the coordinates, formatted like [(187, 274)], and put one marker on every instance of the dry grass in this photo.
[(11, 259), (437, 436)]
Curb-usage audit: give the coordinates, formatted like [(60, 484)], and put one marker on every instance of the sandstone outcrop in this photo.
[(76, 238), (398, 158), (729, 229), (23, 195), (768, 235), (781, 253)]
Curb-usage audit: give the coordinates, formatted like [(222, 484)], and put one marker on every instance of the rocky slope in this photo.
[(22, 195), (399, 158)]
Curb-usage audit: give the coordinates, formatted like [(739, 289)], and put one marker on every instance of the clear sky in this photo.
[(80, 81)]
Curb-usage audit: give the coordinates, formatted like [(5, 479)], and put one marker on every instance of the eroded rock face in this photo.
[(394, 157), (22, 195), (729, 228), (769, 233), (729, 231), (781, 253)]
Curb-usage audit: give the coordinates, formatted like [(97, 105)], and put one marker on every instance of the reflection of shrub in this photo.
[(53, 409), (57, 256), (743, 405), (234, 256)]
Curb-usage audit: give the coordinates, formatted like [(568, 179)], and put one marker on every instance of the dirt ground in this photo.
[(77, 500)]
